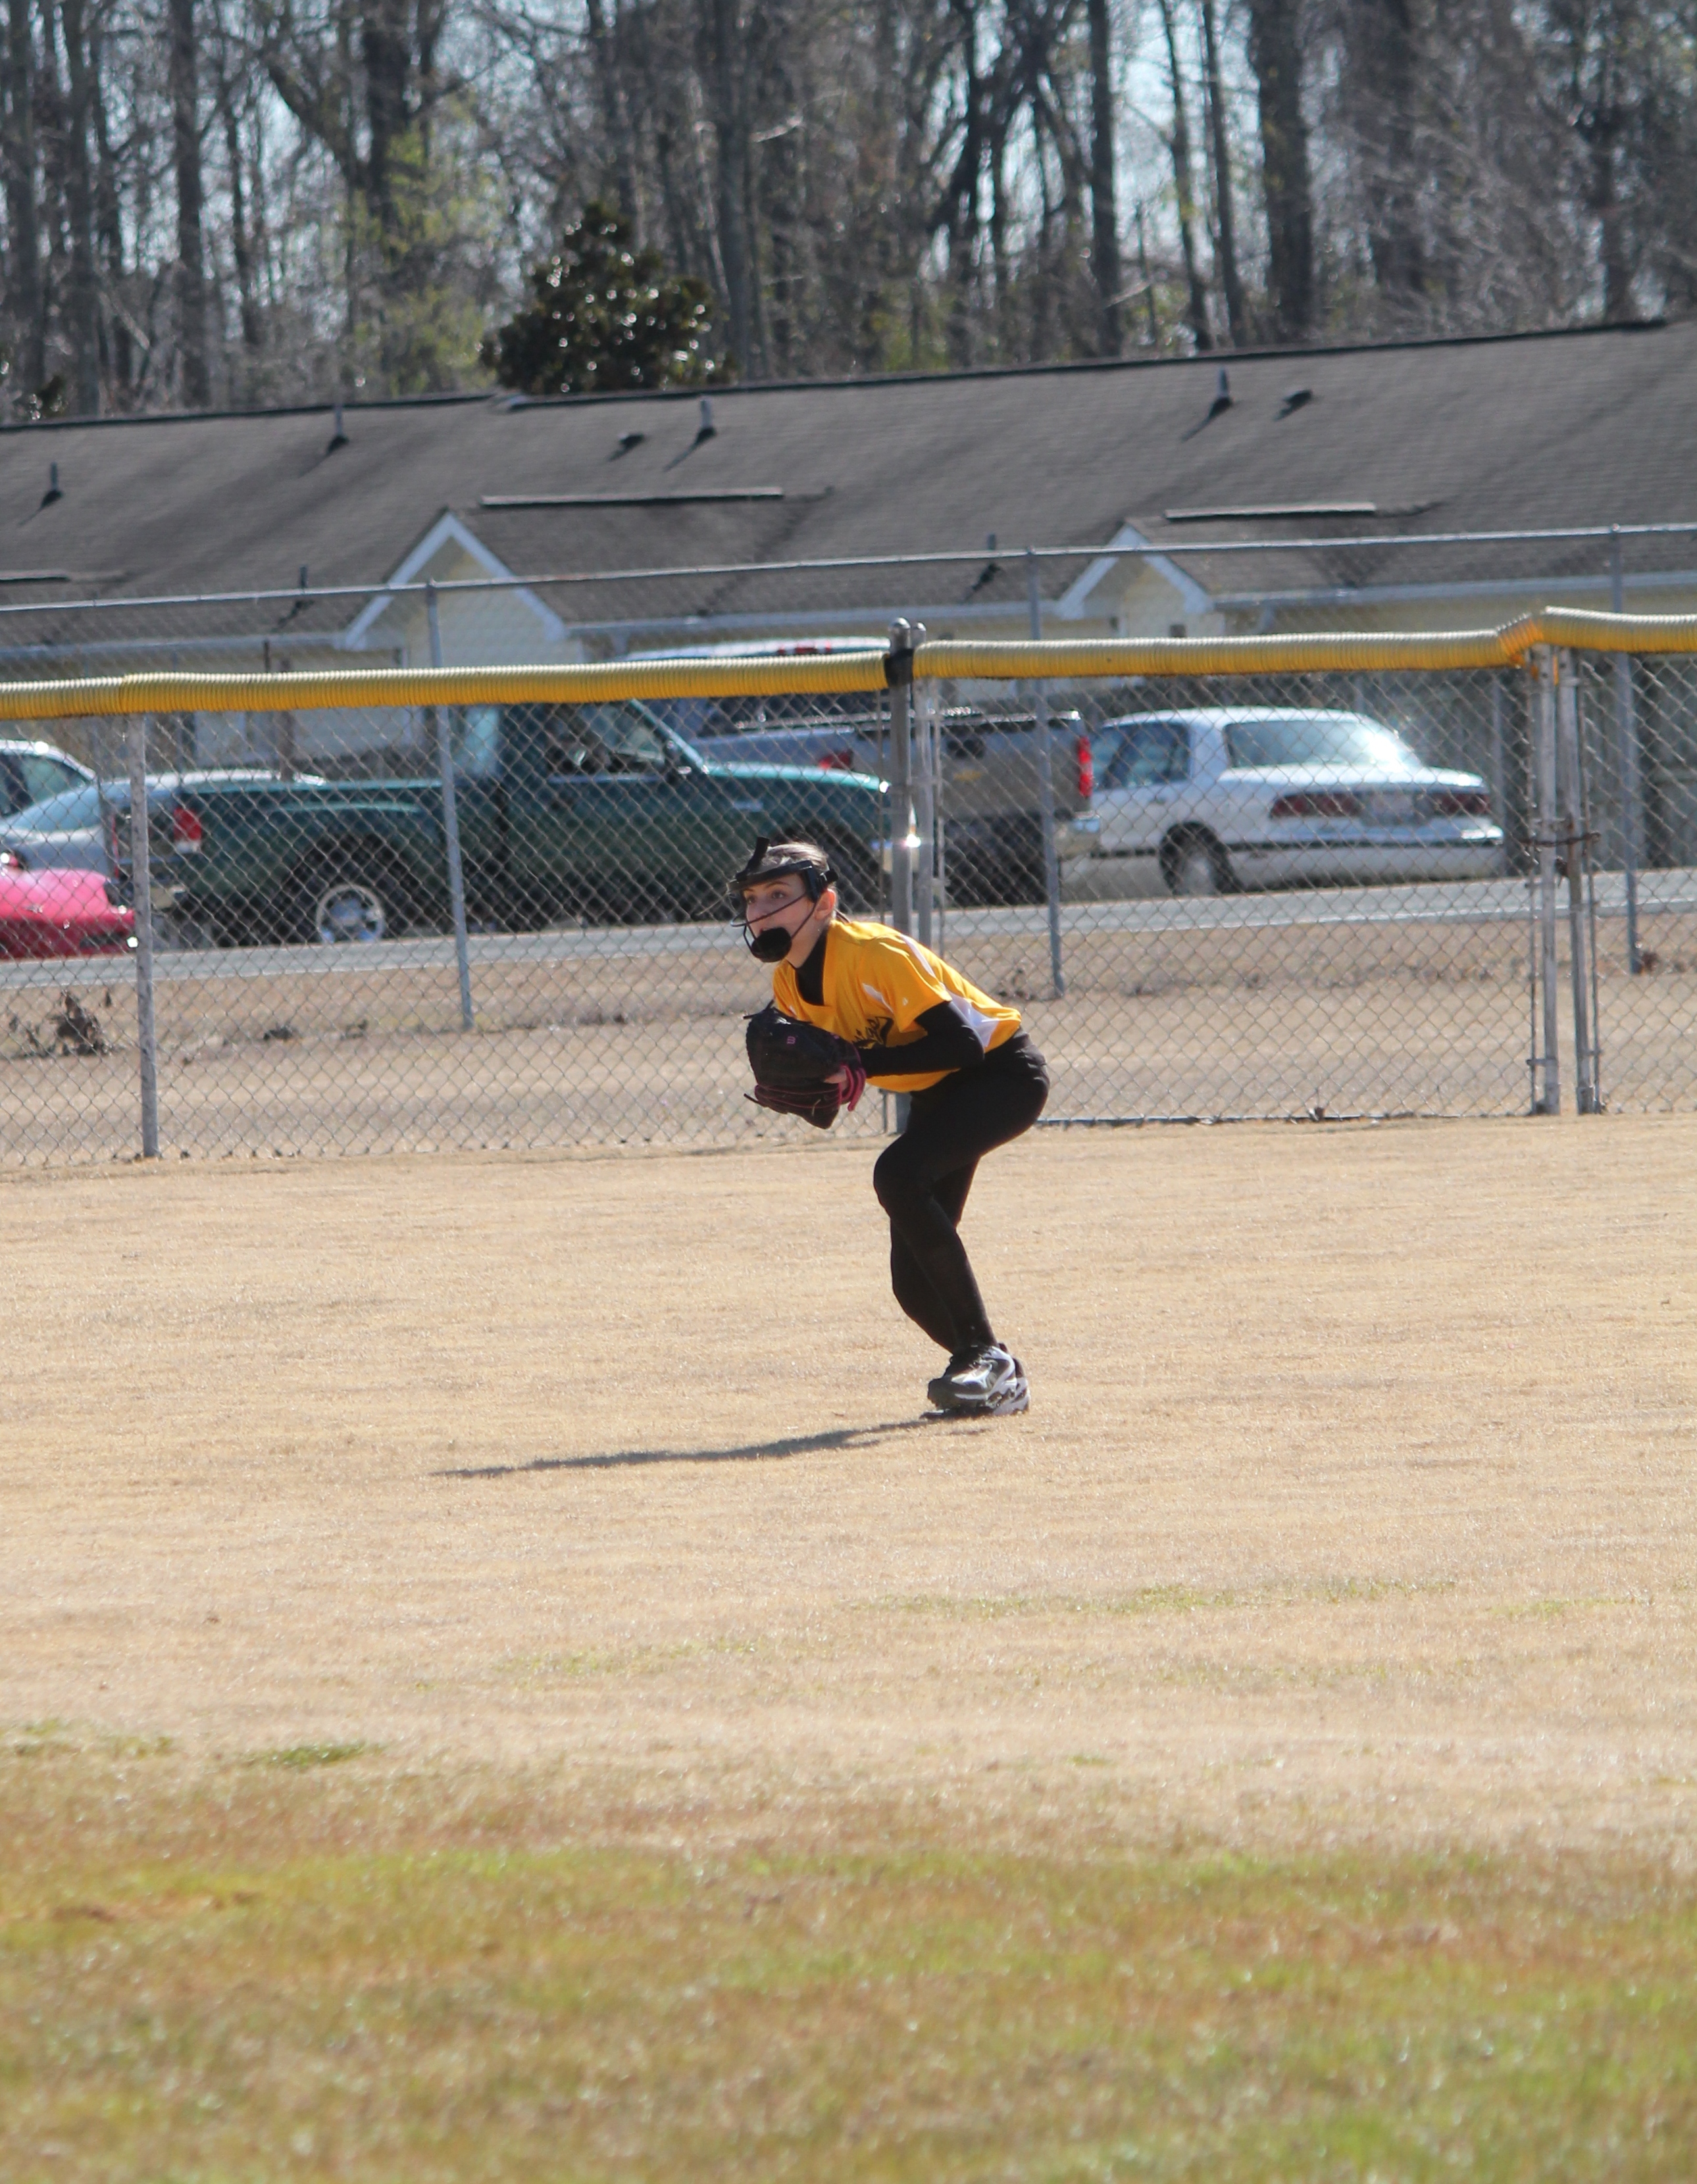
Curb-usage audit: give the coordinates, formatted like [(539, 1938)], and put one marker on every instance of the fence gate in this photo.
[(1635, 723), (1298, 894)]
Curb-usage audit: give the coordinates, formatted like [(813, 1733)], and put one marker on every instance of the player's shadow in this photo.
[(843, 1439)]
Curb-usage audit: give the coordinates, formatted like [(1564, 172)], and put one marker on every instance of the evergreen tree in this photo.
[(604, 318)]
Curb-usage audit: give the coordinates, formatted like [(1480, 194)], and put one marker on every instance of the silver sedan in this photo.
[(73, 830), (1200, 803), (65, 831)]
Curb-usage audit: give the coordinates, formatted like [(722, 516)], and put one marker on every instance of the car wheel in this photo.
[(344, 903), (1195, 865)]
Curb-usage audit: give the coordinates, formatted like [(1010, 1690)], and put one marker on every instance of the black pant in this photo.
[(922, 1181)]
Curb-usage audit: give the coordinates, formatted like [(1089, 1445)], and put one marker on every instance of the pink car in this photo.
[(60, 912)]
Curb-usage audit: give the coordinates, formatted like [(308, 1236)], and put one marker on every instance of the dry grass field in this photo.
[(500, 1678)]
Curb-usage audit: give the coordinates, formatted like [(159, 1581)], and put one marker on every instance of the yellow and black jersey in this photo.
[(878, 983)]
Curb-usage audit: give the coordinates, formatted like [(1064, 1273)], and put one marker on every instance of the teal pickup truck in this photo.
[(598, 812)]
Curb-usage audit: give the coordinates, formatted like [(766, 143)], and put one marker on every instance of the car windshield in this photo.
[(63, 813), (617, 737), (1316, 739)]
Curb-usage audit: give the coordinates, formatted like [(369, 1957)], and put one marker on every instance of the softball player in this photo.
[(975, 1082)]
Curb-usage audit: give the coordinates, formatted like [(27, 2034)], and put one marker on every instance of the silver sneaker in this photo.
[(980, 1380), (1014, 1395)]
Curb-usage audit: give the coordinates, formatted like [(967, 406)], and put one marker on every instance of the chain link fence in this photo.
[(1293, 895), (1636, 727), (501, 921)]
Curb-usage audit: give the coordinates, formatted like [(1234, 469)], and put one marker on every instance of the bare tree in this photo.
[(1225, 196), (615, 115), (27, 293), (730, 130), (1276, 56), (263, 199), (191, 265), (1609, 70), (240, 245), (1196, 311), (1382, 74), (1104, 219), (82, 301)]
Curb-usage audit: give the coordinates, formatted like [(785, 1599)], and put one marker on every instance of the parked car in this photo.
[(986, 769), (30, 772), (60, 913), (64, 830), (73, 830), (987, 775), (818, 729), (1199, 803), (593, 811)]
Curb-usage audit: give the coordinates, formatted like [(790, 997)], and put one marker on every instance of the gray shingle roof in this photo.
[(1531, 431)]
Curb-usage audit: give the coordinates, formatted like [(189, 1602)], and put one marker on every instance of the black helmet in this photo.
[(776, 860)]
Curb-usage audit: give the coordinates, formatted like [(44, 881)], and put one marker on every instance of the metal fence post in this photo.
[(940, 861), (1631, 791), (922, 744), (450, 822), (902, 828), (142, 887), (1575, 859), (1046, 780), (1547, 1096), (901, 778)]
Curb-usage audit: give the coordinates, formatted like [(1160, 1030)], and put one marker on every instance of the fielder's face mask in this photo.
[(771, 944)]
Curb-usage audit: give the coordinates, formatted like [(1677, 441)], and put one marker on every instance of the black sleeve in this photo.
[(948, 1042)]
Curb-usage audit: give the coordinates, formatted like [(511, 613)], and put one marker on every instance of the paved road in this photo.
[(1477, 902)]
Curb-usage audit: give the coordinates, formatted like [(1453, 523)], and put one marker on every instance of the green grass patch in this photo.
[(40, 1740), (1547, 1610), (311, 1755), (1158, 1599), (251, 1975)]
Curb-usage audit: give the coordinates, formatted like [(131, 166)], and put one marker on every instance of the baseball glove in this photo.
[(792, 1064)]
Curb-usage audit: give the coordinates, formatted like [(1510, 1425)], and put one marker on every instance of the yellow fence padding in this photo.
[(1581, 632), (1116, 660), (344, 688), (1342, 652), (1053, 660)]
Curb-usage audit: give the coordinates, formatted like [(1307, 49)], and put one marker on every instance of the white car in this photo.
[(1200, 803)]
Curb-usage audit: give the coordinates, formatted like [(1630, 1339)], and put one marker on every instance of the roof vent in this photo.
[(1293, 398), (339, 438), (1222, 400), (990, 570), (706, 430), (1275, 511), (53, 492), (627, 442)]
